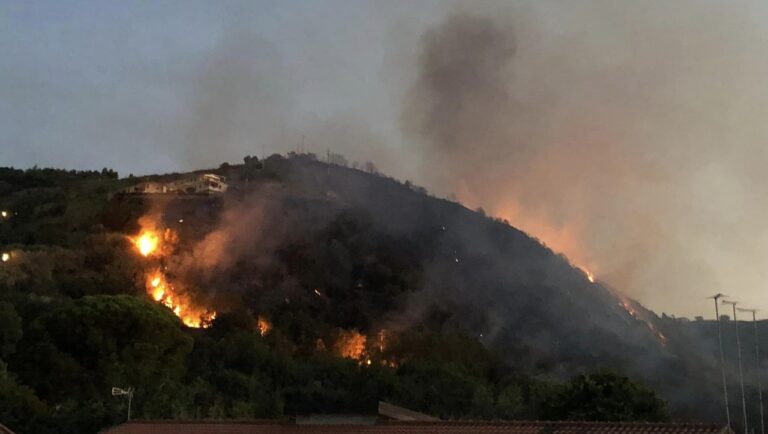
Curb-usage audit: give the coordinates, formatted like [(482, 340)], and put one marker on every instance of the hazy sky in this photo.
[(629, 135)]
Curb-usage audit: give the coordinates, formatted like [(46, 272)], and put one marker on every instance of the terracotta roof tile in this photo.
[(517, 427)]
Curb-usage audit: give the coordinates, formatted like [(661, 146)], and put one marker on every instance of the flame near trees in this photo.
[(351, 344), (263, 325), (158, 244)]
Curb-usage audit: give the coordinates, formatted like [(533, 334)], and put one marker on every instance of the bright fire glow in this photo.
[(590, 276), (158, 244), (4, 214), (6, 257), (165, 293), (351, 345), (147, 242), (263, 326), (628, 306)]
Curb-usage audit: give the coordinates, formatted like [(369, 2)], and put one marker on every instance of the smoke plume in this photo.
[(620, 135)]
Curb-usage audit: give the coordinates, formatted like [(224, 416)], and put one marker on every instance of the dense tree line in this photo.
[(75, 321)]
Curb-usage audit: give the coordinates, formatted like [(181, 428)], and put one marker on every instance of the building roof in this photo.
[(399, 427)]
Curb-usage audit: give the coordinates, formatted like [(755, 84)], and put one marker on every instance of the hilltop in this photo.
[(319, 287)]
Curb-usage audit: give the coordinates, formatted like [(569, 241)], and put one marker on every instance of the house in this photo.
[(206, 183), (147, 188)]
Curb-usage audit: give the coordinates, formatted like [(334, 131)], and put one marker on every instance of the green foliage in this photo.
[(74, 319), (10, 329), (607, 396), (20, 407)]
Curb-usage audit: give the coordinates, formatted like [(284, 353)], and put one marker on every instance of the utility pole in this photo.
[(741, 369), (757, 360), (716, 298)]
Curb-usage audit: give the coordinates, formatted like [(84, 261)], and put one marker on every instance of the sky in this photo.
[(630, 136)]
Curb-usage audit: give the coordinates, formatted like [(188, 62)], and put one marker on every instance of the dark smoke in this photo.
[(610, 143), (462, 95)]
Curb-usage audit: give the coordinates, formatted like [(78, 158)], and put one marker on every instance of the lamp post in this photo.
[(116, 391), (716, 298), (741, 369)]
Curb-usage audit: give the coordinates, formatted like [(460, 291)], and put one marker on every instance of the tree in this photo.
[(20, 408), (96, 342), (370, 167), (606, 396), (10, 329)]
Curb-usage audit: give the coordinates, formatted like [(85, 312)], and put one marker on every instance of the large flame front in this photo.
[(182, 306), (158, 245)]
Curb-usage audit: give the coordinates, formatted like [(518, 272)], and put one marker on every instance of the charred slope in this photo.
[(319, 248), (519, 298), (472, 273)]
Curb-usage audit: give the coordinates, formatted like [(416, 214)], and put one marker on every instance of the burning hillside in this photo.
[(157, 246)]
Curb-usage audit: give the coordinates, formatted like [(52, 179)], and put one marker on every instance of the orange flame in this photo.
[(263, 326), (627, 305), (351, 345), (155, 243), (147, 242)]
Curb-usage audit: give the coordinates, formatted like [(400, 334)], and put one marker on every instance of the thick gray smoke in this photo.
[(629, 135), (623, 135)]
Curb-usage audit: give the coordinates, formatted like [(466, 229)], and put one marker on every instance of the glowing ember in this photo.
[(6, 257), (147, 243), (4, 214), (590, 277), (627, 305), (263, 326)]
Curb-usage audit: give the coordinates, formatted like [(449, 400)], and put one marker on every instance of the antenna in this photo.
[(757, 360), (741, 369), (116, 391), (716, 297)]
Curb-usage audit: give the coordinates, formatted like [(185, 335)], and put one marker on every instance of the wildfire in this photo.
[(5, 257), (150, 242), (627, 305), (263, 326), (590, 276), (163, 292), (351, 345), (147, 242)]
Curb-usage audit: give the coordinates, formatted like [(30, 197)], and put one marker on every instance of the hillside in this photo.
[(318, 287)]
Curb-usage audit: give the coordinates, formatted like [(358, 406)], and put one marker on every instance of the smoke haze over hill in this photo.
[(628, 136)]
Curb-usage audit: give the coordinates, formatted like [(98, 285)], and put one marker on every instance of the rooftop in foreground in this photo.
[(399, 427)]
